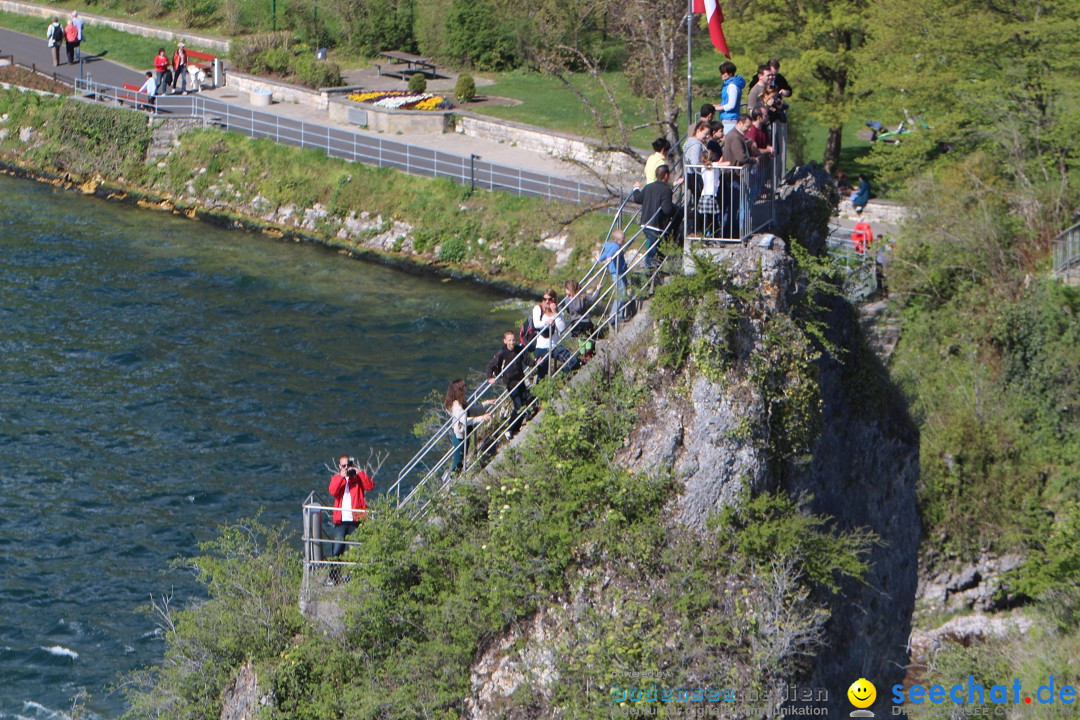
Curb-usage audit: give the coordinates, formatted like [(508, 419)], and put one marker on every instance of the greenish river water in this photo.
[(161, 377)]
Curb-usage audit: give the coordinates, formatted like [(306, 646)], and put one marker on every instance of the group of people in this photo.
[(543, 335), (732, 133), (168, 73), (68, 36)]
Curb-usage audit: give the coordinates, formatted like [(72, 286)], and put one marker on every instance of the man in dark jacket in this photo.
[(657, 210), (510, 361), (738, 152)]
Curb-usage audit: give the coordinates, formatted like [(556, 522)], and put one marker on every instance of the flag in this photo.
[(715, 16)]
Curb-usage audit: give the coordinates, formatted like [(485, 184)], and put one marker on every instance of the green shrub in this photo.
[(453, 250), (313, 73), (100, 139), (417, 83), (465, 88)]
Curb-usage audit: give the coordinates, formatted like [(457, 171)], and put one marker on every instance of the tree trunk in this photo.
[(831, 161)]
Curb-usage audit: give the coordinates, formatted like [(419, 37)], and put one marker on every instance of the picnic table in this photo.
[(411, 64)]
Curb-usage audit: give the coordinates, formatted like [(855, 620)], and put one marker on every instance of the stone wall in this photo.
[(216, 44), (280, 91), (548, 142)]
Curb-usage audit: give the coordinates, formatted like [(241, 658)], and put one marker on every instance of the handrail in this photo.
[(446, 427), (1066, 248), (608, 297)]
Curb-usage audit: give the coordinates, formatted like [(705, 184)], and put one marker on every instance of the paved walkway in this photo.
[(31, 50)]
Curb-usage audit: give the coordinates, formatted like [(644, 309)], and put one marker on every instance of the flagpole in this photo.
[(689, 62)]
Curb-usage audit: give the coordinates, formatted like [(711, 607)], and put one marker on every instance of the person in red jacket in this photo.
[(161, 66), (347, 488)]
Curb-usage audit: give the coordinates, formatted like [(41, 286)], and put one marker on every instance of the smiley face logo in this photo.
[(862, 693)]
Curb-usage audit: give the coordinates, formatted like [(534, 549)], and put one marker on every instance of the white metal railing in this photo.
[(1067, 250), (358, 147), (743, 198), (611, 304), (315, 542)]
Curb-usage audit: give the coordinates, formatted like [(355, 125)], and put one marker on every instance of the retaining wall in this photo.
[(547, 142)]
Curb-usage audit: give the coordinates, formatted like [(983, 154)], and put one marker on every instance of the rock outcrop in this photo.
[(711, 434)]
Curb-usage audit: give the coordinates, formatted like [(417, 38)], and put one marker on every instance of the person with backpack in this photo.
[(509, 361), (550, 325), (71, 41), (55, 36)]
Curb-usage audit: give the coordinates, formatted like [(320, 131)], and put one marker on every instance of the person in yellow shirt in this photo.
[(660, 148)]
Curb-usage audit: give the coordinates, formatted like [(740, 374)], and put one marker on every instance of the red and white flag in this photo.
[(715, 16)]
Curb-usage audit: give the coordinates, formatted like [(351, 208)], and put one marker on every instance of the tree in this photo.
[(826, 35), (1002, 77), (573, 39), (374, 25)]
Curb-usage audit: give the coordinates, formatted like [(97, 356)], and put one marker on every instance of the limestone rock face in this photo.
[(805, 202), (710, 433), (981, 585), (242, 699)]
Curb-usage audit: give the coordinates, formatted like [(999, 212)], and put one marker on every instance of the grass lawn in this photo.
[(853, 151), (133, 50), (547, 102)]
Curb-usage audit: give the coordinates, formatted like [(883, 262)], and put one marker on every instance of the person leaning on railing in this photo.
[(658, 207), (347, 487)]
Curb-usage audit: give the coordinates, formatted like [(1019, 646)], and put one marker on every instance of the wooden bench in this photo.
[(201, 60), (130, 93)]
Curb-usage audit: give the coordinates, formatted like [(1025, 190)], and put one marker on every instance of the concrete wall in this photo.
[(548, 142), (215, 44), (281, 91)]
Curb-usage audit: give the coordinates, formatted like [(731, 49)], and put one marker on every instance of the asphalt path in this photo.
[(337, 142), (30, 50)]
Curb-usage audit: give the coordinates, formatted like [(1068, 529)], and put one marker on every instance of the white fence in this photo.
[(358, 147)]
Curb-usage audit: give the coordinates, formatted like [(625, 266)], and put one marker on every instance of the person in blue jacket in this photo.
[(862, 195), (730, 96)]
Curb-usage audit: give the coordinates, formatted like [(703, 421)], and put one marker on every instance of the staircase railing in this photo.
[(428, 464)]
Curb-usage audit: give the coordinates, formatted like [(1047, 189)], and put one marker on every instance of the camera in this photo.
[(350, 472)]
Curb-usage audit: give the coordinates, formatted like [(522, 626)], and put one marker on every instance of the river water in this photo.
[(159, 377)]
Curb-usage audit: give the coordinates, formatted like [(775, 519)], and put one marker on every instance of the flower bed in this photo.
[(403, 100)]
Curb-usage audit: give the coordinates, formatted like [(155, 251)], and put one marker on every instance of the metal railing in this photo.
[(611, 305), (1067, 251), (731, 203), (315, 542), (358, 147), (858, 262)]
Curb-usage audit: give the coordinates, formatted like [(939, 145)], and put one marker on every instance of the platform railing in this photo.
[(1067, 251)]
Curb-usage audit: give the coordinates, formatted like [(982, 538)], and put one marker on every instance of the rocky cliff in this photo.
[(728, 423)]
